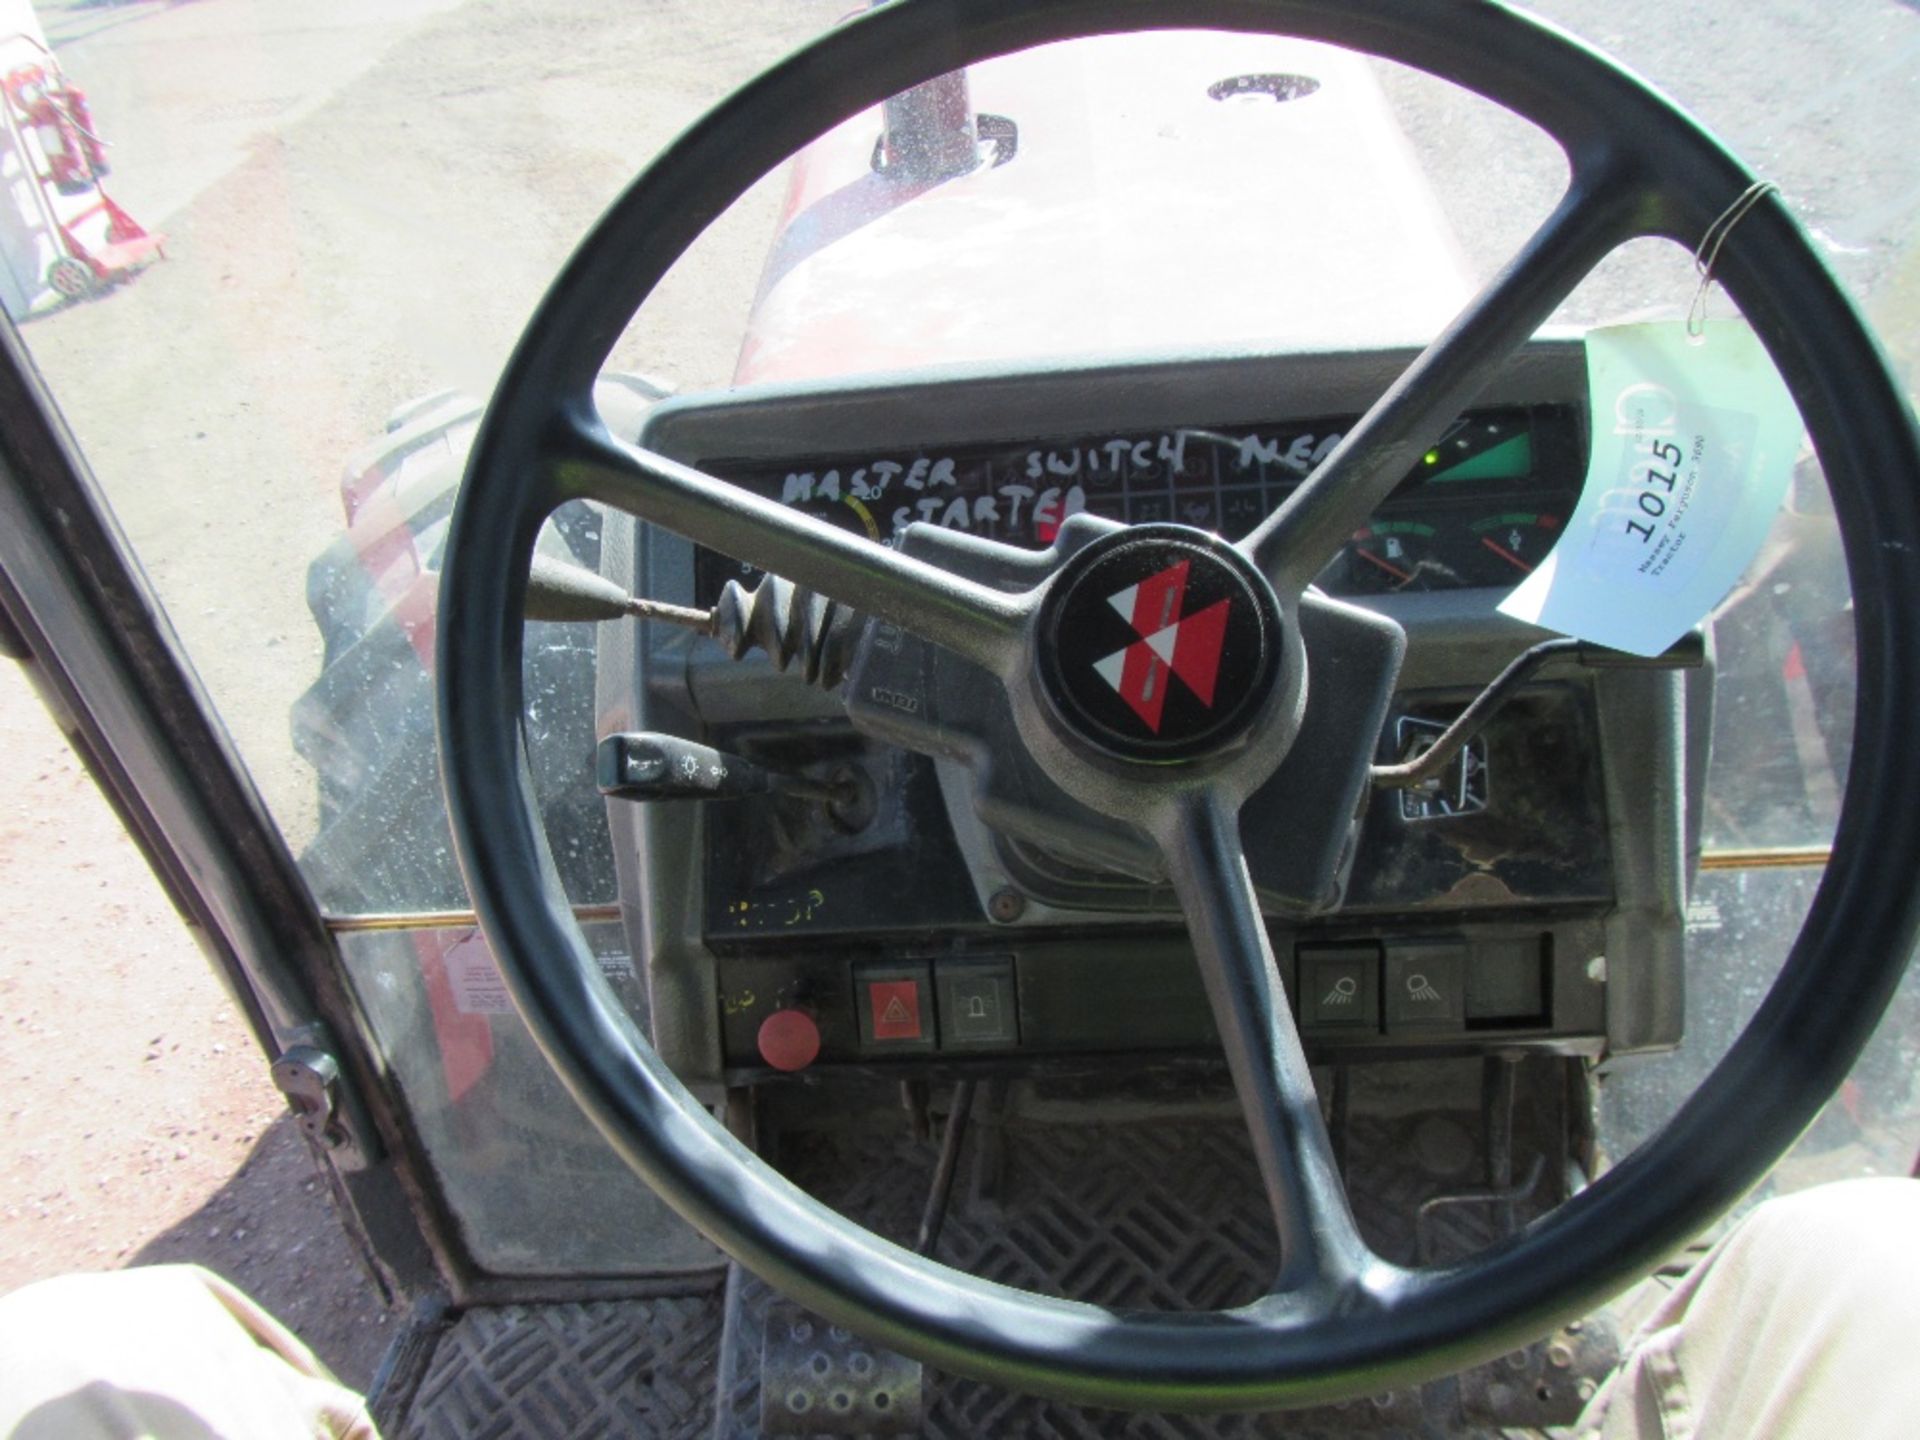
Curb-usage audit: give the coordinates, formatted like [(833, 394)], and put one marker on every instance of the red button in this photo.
[(789, 1040), (896, 1009)]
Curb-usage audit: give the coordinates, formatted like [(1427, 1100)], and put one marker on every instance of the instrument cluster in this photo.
[(1479, 510)]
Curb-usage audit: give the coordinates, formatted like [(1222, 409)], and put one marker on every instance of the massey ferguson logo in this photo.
[(1184, 645)]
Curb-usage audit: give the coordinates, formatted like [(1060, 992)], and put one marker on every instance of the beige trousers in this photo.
[(1804, 1321), (170, 1352)]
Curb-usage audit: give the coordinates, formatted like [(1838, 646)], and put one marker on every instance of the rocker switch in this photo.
[(1426, 986), (895, 1004), (1340, 987), (979, 1006)]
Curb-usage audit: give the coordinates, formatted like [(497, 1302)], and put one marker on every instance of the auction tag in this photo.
[(1694, 442)]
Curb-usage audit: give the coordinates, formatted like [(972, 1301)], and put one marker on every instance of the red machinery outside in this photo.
[(62, 233)]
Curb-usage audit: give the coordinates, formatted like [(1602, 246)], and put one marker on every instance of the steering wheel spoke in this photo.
[(1295, 542), (1320, 1246), (980, 623)]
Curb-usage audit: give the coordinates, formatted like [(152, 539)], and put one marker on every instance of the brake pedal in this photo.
[(820, 1379)]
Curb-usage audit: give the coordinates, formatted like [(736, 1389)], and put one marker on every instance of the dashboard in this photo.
[(1530, 899), (1479, 510)]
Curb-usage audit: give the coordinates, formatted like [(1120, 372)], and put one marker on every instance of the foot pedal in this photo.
[(819, 1379)]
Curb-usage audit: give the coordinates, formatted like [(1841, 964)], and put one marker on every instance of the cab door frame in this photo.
[(78, 612)]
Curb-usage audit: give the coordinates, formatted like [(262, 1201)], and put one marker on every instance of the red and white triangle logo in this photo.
[(1188, 646)]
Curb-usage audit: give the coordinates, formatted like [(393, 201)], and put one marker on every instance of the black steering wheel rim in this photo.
[(1651, 167)]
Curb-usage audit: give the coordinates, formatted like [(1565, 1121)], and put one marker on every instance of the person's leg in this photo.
[(167, 1351), (1801, 1322)]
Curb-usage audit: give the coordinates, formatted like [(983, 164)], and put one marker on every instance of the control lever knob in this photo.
[(648, 765)]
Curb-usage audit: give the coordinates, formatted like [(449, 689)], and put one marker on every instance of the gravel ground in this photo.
[(144, 1130)]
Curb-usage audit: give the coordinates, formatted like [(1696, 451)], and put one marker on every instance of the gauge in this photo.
[(1390, 555), (1503, 549)]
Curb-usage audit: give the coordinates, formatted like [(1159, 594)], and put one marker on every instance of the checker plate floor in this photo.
[(1154, 1212)]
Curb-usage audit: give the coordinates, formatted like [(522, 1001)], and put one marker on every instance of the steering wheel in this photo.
[(1340, 1322)]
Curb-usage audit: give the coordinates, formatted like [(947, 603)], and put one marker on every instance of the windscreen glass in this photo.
[(273, 277)]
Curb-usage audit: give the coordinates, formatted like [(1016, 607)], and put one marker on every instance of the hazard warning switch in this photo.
[(894, 1009)]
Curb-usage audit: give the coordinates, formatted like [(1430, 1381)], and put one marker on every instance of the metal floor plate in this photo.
[(1152, 1205), (1167, 1212), (635, 1368)]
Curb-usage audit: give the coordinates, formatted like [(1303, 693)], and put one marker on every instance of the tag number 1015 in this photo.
[(1659, 485)]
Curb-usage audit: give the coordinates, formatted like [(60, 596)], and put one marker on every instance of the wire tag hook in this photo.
[(1708, 255)]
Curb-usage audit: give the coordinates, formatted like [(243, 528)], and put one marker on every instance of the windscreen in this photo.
[(273, 307)]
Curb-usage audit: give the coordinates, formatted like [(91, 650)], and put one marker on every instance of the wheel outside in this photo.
[(68, 277)]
